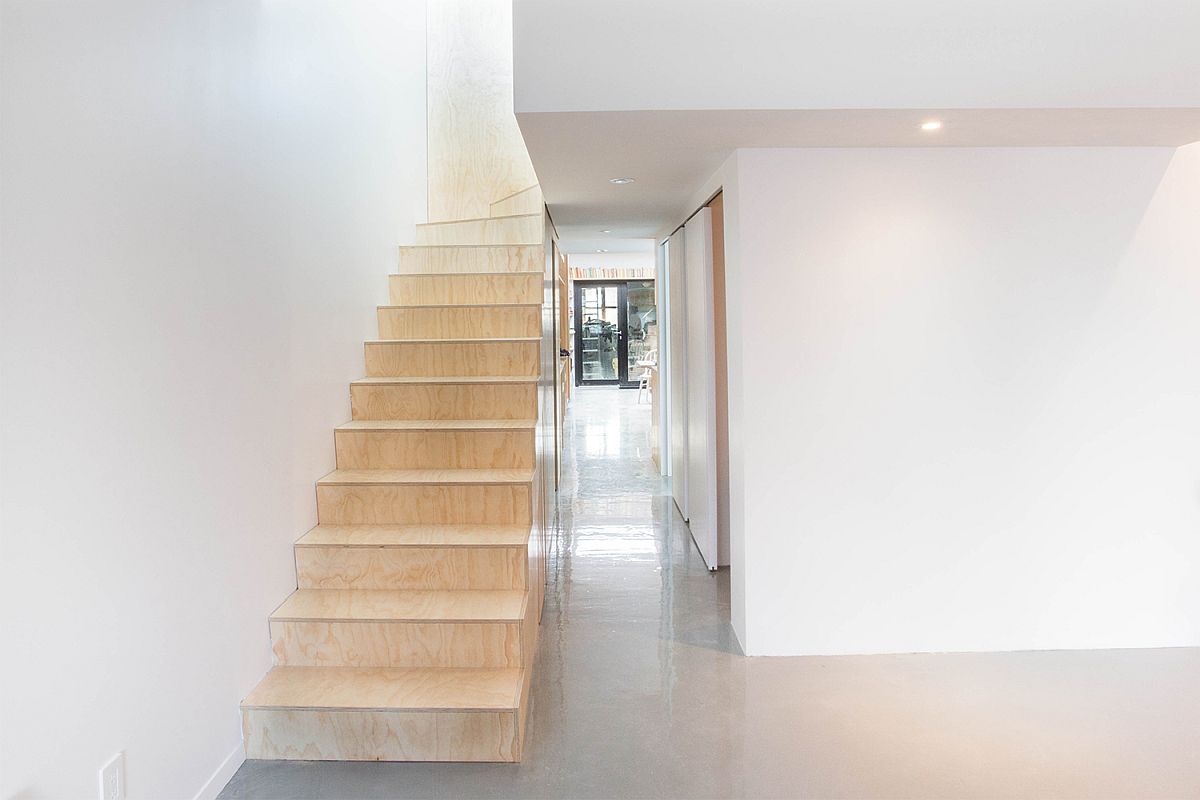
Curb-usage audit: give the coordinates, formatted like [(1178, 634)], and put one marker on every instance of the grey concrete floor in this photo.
[(640, 689)]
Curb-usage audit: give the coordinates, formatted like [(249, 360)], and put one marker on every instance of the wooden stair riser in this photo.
[(468, 258), (459, 322), (528, 201), (524, 229), (465, 289), (434, 449), (369, 735), (373, 643), (416, 504), (412, 567), (452, 359), (444, 401)]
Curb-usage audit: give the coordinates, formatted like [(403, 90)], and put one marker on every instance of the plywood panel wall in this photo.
[(476, 153)]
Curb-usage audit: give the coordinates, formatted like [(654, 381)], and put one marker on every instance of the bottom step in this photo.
[(352, 714)]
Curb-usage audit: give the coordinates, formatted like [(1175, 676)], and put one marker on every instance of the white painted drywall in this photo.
[(968, 406), (843, 54), (201, 202)]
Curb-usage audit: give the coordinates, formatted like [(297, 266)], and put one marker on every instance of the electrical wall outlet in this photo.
[(112, 778)]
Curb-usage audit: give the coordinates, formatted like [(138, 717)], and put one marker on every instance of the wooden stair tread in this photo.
[(386, 379), (416, 536), (438, 425), (474, 340), (493, 274), (527, 215), (476, 246), (403, 605), (388, 689), (461, 305), (371, 477)]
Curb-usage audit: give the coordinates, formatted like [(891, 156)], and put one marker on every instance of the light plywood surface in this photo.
[(408, 504), (523, 229), (425, 259), (526, 201), (438, 425), (482, 357), (372, 477), (377, 536), (380, 735), (459, 322), (396, 644), (466, 289), (458, 399), (476, 153), (500, 605), (433, 449), (458, 567), (388, 689)]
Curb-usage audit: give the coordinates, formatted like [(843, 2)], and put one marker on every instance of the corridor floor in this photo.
[(640, 689)]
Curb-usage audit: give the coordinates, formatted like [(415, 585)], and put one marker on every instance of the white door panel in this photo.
[(701, 455), (676, 285)]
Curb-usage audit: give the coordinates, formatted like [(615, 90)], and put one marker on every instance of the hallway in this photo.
[(642, 691)]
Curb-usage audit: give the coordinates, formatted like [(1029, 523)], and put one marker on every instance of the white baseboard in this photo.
[(218, 779)]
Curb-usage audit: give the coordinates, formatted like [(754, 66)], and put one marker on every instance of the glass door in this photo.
[(599, 313), (641, 330), (616, 331)]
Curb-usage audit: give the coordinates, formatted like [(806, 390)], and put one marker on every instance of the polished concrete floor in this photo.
[(640, 689)]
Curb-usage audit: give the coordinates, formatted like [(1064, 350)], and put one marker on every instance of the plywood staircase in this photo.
[(412, 630)]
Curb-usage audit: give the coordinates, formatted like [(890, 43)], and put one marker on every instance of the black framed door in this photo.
[(601, 355), (615, 331)]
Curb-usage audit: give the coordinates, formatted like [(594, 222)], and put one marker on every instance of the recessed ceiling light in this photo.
[(932, 125), (606, 230), (620, 180), (601, 251)]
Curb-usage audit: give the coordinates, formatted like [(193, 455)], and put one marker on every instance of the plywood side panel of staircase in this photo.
[(459, 322), (440, 259), (523, 229), (466, 289), (364, 567), (380, 735), (416, 504), (306, 643), (357, 449), (529, 201), (478, 358), (476, 151), (443, 401)]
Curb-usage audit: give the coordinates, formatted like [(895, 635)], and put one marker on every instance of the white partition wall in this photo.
[(677, 370), (701, 381)]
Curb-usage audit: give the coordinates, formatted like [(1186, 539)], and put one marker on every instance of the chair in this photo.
[(648, 362)]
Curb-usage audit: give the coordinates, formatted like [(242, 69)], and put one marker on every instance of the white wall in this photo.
[(968, 410), (200, 204), (839, 54)]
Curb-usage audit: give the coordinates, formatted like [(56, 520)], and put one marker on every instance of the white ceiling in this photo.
[(672, 153), (579, 242)]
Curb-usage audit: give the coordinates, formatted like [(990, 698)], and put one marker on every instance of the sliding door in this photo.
[(701, 382), (677, 336)]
